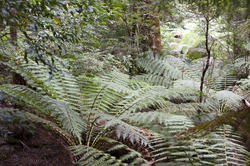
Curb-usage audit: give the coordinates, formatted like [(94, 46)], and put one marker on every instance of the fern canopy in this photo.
[(153, 111)]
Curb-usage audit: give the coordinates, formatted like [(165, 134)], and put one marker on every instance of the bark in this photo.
[(13, 28), (149, 27), (155, 34), (13, 35)]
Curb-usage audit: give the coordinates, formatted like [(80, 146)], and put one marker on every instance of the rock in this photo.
[(196, 53), (178, 36)]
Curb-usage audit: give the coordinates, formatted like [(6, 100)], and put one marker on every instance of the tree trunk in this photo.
[(13, 35), (208, 49), (155, 33), (13, 29), (149, 26)]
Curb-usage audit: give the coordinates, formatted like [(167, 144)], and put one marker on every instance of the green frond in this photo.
[(117, 81), (59, 110), (26, 95), (70, 119), (94, 157), (163, 70), (133, 156), (228, 98), (99, 98), (189, 86), (172, 123), (245, 84), (189, 71), (223, 82), (171, 151), (154, 79), (143, 98), (188, 109), (208, 126), (136, 84), (221, 147), (57, 83), (158, 65), (124, 130), (102, 96)]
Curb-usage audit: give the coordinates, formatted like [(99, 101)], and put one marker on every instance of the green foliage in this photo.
[(112, 118), (92, 156), (131, 153), (114, 104), (45, 105)]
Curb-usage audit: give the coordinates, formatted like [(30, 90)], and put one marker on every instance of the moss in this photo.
[(196, 53)]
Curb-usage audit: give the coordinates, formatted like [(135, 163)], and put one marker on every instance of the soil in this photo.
[(44, 148)]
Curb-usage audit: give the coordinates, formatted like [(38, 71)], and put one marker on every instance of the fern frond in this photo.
[(60, 83), (131, 153), (221, 147), (163, 70), (59, 110), (190, 71), (154, 79), (124, 130), (97, 97), (172, 123), (94, 157), (224, 146), (158, 65), (228, 98), (245, 84), (117, 81), (105, 98), (188, 109), (208, 126), (170, 151), (224, 82), (143, 98)]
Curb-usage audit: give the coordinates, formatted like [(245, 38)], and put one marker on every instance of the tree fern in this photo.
[(57, 83), (134, 156), (222, 147), (45, 105), (91, 156), (116, 105), (172, 123), (122, 130), (159, 68)]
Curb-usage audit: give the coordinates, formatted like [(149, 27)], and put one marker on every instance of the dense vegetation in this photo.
[(129, 82)]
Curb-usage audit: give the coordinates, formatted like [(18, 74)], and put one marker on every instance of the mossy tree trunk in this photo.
[(148, 26)]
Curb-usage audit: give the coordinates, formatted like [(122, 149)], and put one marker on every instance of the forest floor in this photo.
[(44, 148)]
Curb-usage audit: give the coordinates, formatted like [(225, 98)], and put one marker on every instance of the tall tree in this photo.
[(148, 25)]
